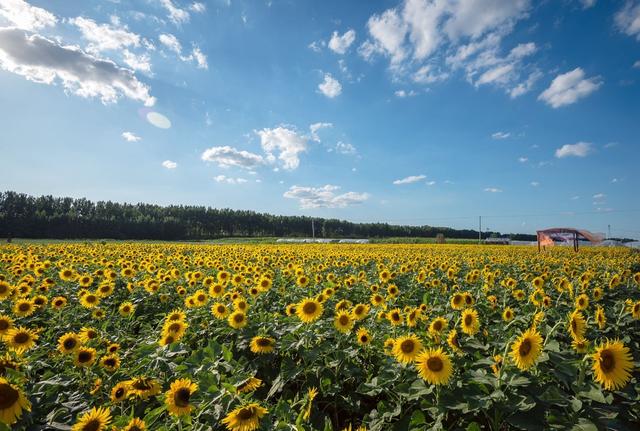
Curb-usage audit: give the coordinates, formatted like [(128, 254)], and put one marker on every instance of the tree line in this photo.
[(25, 216)]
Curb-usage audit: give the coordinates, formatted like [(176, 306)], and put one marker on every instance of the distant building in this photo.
[(497, 241)]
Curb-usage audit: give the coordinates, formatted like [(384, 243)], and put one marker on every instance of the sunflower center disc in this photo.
[(435, 364), (607, 361), (8, 396), (182, 398), (309, 308), (525, 348), (407, 346)]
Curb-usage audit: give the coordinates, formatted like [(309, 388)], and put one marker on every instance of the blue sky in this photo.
[(411, 112)]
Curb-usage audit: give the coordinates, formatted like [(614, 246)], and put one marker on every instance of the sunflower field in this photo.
[(135, 336)]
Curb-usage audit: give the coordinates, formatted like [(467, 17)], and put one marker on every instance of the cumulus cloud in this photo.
[(534, 184), (344, 148), (324, 197), (131, 137), (229, 180), (523, 159), (286, 143), (21, 14), (104, 37), (330, 87), (340, 44), (46, 61), (169, 164), (581, 149), (586, 4), (315, 127), (500, 135), (568, 88), (197, 7), (417, 33), (410, 179), (493, 190), (172, 43), (628, 19), (599, 196), (227, 156), (176, 15), (402, 93)]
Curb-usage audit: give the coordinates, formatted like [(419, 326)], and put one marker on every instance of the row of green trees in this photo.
[(24, 216)]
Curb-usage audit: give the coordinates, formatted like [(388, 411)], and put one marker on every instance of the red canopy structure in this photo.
[(547, 237)]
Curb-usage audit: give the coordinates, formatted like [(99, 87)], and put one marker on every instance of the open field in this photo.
[(317, 337)]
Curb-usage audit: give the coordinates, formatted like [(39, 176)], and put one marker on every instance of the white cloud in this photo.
[(227, 156), (230, 180), (581, 149), (636, 65), (501, 135), (610, 144), (586, 4), (526, 86), (416, 34), (347, 149), (176, 15), (286, 142), (330, 87), (45, 61), (575, 198), (169, 164), (340, 44), (568, 88), (137, 62), (316, 46), (324, 197), (431, 183), (200, 58), (315, 127), (197, 7), (599, 196), (131, 137), (171, 42), (21, 14), (410, 179), (402, 93), (628, 19), (493, 190), (534, 184), (523, 159), (105, 37), (614, 180)]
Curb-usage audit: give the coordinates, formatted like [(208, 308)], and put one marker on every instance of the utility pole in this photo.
[(608, 231), (313, 229), (479, 229)]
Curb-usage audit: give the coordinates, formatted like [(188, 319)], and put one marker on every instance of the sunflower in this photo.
[(216, 290), (407, 348), (90, 300), (507, 314), (245, 418), (453, 341), (24, 307), (290, 310), (343, 322), (6, 323), (68, 342), (7, 361), (178, 396), (219, 310), (434, 366), (469, 323), (309, 310), (395, 317), (58, 303), (96, 419), (87, 334), (20, 339), (526, 349), (634, 309), (437, 325), (262, 345), (85, 356), (135, 424), (143, 387), (612, 365), (360, 311), (110, 362), (176, 315), (363, 337), (580, 345), (582, 302), (12, 402), (237, 320), (119, 392), (176, 328), (126, 309), (249, 385), (68, 274), (601, 318), (577, 325), (113, 347), (5, 290)]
